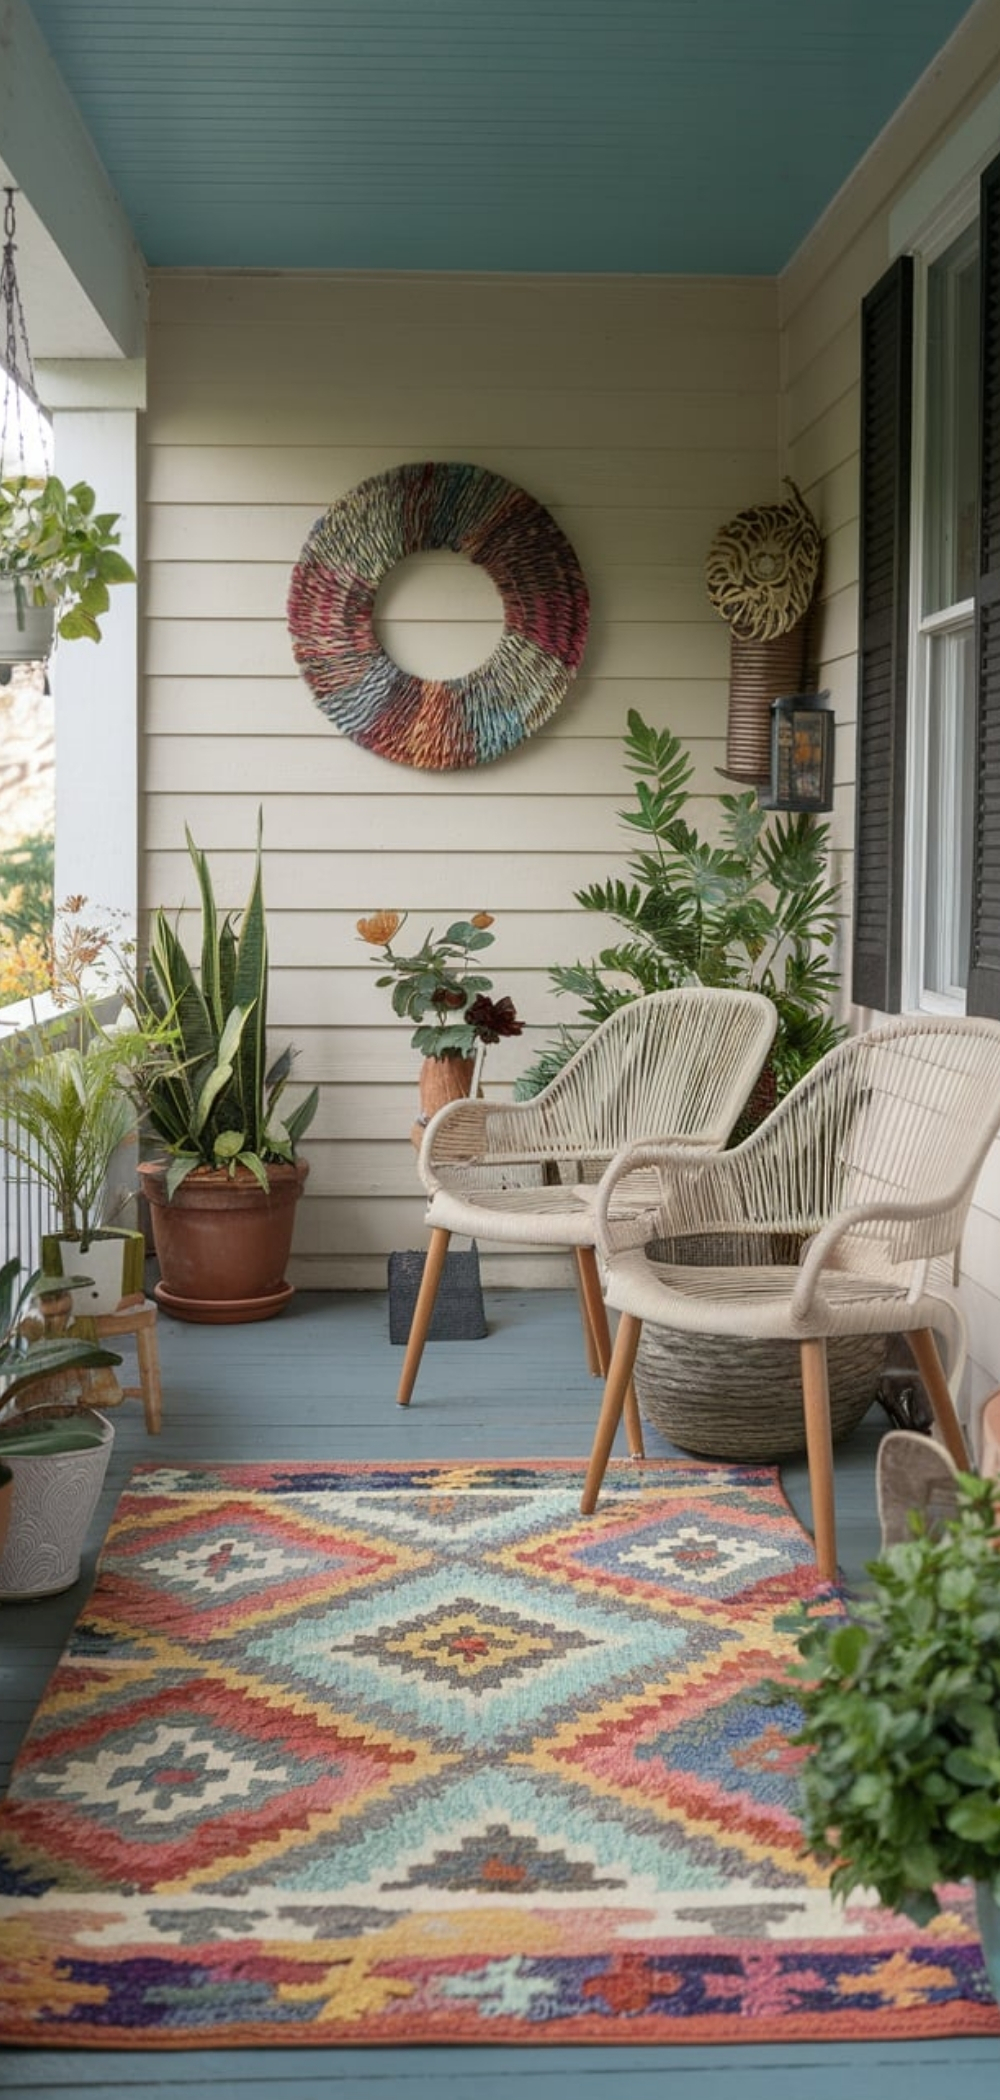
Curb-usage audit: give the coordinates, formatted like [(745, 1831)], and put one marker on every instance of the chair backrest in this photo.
[(903, 1115), (678, 1063)]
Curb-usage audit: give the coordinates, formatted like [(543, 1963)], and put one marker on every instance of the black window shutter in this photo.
[(983, 996), (886, 390)]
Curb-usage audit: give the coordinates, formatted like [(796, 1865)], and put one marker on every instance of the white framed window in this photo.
[(944, 544)]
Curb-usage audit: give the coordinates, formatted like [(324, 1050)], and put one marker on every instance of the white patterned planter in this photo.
[(102, 1263), (53, 1502)]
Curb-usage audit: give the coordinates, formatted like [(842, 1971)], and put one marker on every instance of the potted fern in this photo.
[(753, 908), (222, 1199), (749, 906), (59, 558)]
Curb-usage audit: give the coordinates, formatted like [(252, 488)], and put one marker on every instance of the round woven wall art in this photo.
[(763, 566), (438, 724)]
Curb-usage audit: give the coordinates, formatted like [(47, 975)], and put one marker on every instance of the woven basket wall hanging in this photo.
[(438, 724), (762, 568), (761, 571)]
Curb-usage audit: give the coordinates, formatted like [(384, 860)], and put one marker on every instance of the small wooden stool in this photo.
[(135, 1316)]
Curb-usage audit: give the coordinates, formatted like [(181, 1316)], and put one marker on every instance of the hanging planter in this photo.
[(59, 555), (27, 632)]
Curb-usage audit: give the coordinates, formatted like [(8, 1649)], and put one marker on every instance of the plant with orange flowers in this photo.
[(441, 980)]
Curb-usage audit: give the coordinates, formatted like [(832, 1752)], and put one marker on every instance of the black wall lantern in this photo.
[(801, 753)]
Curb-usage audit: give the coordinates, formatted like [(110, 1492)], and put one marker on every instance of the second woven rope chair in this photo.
[(869, 1166), (679, 1063)]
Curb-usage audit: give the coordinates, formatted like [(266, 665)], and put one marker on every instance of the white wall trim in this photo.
[(944, 196), (96, 688), (91, 382)]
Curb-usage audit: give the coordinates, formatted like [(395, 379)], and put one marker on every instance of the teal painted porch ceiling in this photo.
[(694, 136)]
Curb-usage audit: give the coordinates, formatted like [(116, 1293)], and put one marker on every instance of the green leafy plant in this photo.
[(59, 550), (27, 1357), (441, 979), (209, 1093), (67, 1110), (755, 910), (901, 1715)]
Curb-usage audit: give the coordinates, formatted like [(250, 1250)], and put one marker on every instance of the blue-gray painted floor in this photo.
[(319, 1382)]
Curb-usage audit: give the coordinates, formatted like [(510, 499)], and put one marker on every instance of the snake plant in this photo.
[(212, 1098)]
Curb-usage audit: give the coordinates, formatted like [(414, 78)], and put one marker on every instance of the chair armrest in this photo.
[(495, 1134), (907, 1222), (675, 1188)]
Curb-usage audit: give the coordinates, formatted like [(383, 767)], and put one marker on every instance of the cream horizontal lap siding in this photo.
[(642, 413), (819, 299)]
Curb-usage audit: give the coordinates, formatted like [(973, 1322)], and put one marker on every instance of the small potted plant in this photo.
[(441, 980), (222, 1201), (66, 1115), (900, 1785), (59, 557), (54, 1458), (64, 1093)]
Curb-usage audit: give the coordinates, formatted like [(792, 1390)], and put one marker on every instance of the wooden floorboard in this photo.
[(320, 1383)]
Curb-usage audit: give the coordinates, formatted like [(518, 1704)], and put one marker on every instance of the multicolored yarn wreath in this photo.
[(438, 724)]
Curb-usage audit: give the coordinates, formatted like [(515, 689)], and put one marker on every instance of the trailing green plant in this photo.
[(901, 1715), (754, 910), (209, 1095), (59, 550), (25, 1357)]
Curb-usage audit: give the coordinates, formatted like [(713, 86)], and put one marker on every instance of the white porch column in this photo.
[(95, 685)]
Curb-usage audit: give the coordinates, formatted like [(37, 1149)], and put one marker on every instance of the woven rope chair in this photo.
[(673, 1064), (869, 1163)]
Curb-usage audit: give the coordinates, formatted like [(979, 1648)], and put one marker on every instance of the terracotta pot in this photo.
[(222, 1242), (444, 1079)]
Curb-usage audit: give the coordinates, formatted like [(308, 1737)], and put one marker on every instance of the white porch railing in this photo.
[(26, 1207)]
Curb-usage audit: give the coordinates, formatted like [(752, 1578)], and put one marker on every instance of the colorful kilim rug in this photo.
[(417, 1754)]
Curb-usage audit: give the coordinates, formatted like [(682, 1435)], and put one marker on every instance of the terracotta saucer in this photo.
[(224, 1312)]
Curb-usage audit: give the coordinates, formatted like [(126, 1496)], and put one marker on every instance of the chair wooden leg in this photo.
[(819, 1450), (148, 1353), (589, 1345), (619, 1378), (595, 1311), (928, 1362), (633, 1423), (423, 1312)]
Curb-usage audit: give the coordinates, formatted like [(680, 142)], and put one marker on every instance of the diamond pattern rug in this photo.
[(367, 1754)]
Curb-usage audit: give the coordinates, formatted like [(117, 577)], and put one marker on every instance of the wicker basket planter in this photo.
[(743, 1400)]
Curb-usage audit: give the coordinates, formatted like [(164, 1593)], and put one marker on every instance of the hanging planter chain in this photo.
[(19, 371)]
